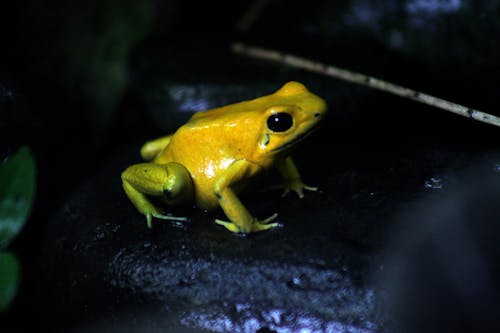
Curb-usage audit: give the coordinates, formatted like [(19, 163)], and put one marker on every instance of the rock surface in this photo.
[(317, 273)]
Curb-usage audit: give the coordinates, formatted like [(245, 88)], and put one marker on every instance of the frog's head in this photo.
[(291, 114)]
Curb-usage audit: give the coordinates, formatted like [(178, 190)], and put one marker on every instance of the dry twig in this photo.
[(358, 78)]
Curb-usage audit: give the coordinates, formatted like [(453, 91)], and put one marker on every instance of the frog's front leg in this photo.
[(293, 181), (170, 181), (240, 219), (152, 148)]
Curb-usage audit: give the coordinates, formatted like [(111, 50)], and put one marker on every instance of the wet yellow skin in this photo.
[(209, 159)]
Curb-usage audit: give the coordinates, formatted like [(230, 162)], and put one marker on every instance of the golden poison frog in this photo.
[(210, 158)]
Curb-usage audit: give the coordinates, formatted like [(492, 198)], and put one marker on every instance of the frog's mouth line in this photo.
[(294, 141)]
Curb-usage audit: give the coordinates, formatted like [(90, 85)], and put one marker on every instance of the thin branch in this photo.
[(358, 78)]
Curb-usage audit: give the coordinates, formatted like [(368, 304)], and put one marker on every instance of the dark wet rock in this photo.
[(101, 263), (211, 278)]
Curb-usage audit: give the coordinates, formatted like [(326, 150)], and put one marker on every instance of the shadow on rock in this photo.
[(443, 271)]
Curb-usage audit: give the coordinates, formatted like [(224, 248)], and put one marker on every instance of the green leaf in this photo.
[(9, 279), (17, 189)]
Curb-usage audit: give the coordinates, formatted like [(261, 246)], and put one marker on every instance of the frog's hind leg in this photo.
[(152, 148), (144, 205), (170, 181)]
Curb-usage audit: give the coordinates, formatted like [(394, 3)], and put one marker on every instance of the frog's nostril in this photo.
[(317, 115)]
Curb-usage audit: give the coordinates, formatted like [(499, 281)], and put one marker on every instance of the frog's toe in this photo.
[(298, 188), (306, 187), (286, 191), (170, 217), (265, 224), (228, 225), (149, 220), (150, 215), (310, 188), (269, 219), (255, 227)]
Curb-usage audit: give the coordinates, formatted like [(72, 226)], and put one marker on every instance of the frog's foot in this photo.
[(255, 227), (295, 185), (158, 215)]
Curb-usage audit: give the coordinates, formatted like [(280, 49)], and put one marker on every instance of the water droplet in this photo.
[(435, 183), (496, 167), (295, 282), (300, 282)]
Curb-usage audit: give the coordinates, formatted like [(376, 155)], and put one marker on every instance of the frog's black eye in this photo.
[(279, 122)]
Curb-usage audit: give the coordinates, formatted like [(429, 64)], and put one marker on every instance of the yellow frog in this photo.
[(211, 157)]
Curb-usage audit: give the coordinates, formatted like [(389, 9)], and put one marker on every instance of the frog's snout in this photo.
[(318, 113), (320, 109)]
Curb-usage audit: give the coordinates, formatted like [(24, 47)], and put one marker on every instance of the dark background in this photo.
[(83, 81)]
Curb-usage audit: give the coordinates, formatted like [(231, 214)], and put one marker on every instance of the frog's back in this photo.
[(222, 114), (190, 143)]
